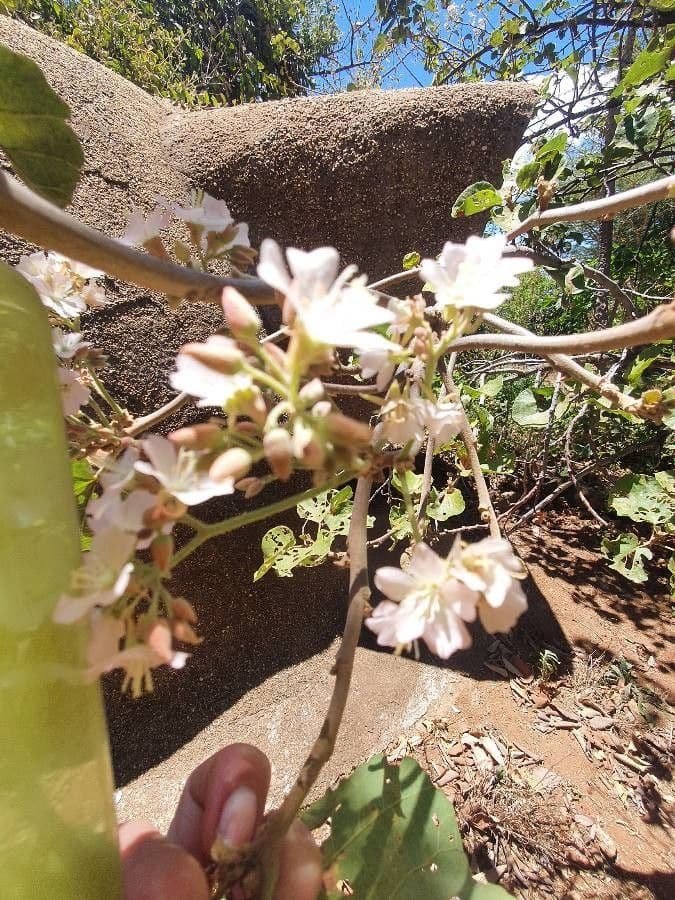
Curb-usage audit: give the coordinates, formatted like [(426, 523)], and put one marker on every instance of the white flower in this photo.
[(93, 295), (402, 422), (210, 214), (101, 579), (211, 386), (491, 568), (472, 274), (378, 362), (330, 311), (427, 605), (444, 420), (178, 473), (74, 394), (127, 514), (51, 278), (140, 229), (78, 269), (118, 472), (67, 343)]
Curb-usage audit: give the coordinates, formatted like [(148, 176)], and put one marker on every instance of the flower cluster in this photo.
[(434, 597)]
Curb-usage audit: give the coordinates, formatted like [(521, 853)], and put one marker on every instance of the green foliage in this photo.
[(394, 835), (645, 498), (34, 132), (627, 556), (205, 52), (282, 551), (476, 199)]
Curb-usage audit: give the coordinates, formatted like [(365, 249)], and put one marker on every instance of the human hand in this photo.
[(224, 796)]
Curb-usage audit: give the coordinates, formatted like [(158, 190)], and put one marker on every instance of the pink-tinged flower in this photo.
[(428, 604), (444, 420), (67, 343), (471, 275), (331, 310), (177, 470), (209, 214), (491, 568), (201, 376), (74, 394), (94, 295), (111, 510), (118, 472), (402, 423), (141, 229), (101, 579), (104, 653)]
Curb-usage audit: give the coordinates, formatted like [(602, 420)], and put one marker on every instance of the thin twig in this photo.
[(280, 820), (30, 217), (570, 466), (145, 423), (604, 208)]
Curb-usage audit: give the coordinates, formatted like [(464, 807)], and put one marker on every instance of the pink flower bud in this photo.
[(250, 486), (276, 354), (183, 610), (279, 452), (347, 430), (161, 551), (233, 463), (206, 436), (219, 353), (312, 392), (242, 319)]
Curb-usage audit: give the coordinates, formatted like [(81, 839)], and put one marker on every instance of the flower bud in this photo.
[(250, 486), (347, 430), (242, 319), (206, 436), (183, 610), (161, 551), (219, 353), (322, 409), (255, 409), (183, 631), (652, 396), (276, 354), (233, 463), (279, 453), (312, 392)]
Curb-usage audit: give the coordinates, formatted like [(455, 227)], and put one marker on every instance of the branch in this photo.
[(604, 208), (30, 217), (280, 820)]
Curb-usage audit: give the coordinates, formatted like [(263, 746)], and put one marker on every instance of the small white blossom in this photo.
[(210, 214), (378, 362), (67, 343), (444, 420), (402, 422), (177, 470), (74, 394), (212, 387), (141, 229), (94, 295), (331, 310), (101, 579), (118, 472), (53, 282), (427, 605), (126, 514), (471, 275)]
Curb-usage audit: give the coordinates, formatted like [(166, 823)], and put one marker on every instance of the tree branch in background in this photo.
[(30, 217), (604, 208), (280, 820)]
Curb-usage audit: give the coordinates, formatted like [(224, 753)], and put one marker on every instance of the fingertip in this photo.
[(300, 868), (154, 869)]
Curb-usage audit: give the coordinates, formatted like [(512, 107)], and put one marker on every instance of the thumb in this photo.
[(155, 869)]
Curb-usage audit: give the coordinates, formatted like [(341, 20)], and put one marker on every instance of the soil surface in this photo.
[(591, 745)]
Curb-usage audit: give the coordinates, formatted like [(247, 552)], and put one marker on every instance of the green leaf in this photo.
[(645, 65), (497, 38), (526, 412), (627, 555), (275, 544), (446, 504), (34, 134), (663, 5), (671, 569), (410, 260), (492, 387), (475, 199), (399, 523), (642, 362), (408, 478), (394, 836), (527, 175), (643, 499), (551, 148)]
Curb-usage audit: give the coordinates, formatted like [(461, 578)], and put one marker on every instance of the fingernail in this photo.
[(239, 816)]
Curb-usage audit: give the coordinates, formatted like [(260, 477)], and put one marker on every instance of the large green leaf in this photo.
[(628, 556), (33, 130), (526, 412), (393, 836), (475, 199), (446, 504), (644, 498)]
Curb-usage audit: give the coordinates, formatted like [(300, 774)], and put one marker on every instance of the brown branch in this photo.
[(30, 217), (604, 208), (144, 423), (280, 820)]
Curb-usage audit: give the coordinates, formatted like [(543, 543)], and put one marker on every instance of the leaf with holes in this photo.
[(476, 199), (644, 498), (393, 836), (446, 504), (34, 134), (628, 556)]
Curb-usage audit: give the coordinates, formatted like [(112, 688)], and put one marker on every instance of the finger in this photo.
[(224, 796), (154, 869), (300, 870)]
